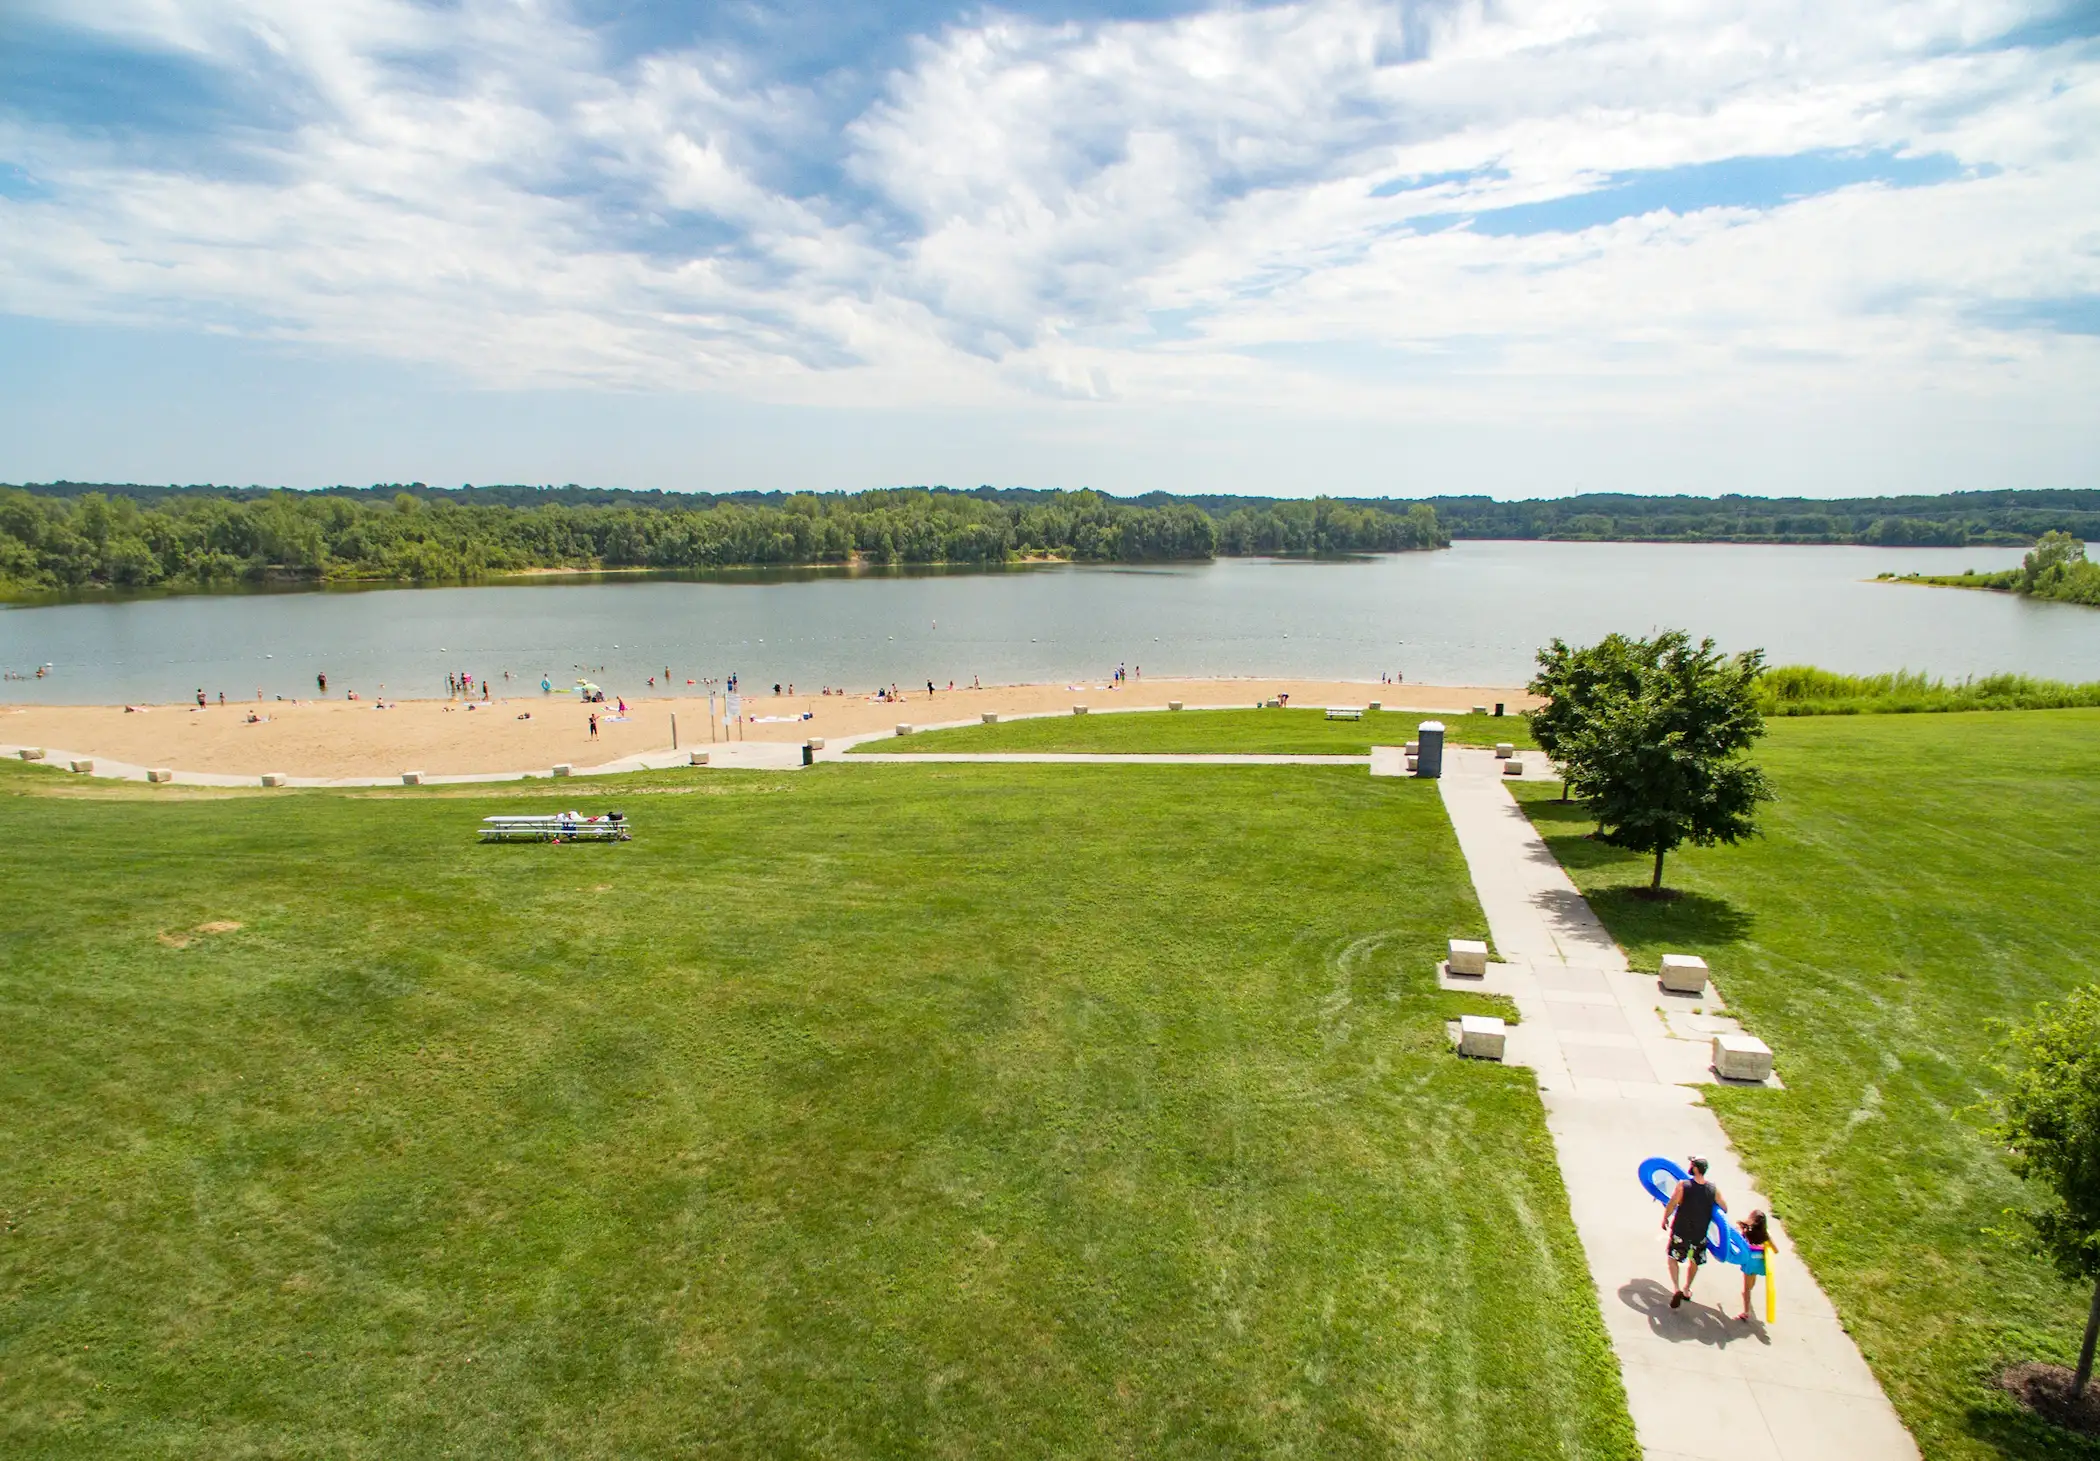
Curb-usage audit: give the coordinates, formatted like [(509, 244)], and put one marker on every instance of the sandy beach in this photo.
[(339, 738)]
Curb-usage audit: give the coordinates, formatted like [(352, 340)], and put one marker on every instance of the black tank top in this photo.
[(1696, 1211)]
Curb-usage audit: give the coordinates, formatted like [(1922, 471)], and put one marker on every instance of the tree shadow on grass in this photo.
[(2013, 1432), (1689, 918)]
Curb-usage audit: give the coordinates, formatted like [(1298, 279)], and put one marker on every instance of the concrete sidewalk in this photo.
[(1618, 1064), (728, 755)]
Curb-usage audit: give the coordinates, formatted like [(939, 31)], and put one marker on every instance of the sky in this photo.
[(1371, 249)]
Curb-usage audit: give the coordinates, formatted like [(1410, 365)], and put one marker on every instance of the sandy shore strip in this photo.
[(337, 738)]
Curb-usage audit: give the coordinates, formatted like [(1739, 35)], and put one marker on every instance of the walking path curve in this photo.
[(1618, 1062)]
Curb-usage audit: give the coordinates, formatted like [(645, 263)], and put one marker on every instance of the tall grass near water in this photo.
[(1806, 690)]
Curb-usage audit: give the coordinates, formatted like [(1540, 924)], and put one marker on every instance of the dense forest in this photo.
[(1952, 520), (55, 539), (64, 535)]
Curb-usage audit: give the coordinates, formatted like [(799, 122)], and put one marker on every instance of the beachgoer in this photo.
[(623, 705), (1686, 1219), (222, 697), (484, 689), (321, 682), (929, 689), (776, 687), (594, 725), (546, 686), (1757, 1234)]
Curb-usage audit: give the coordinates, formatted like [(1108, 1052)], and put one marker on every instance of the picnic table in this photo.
[(557, 827)]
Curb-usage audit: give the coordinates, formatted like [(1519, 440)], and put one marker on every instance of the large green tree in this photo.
[(1576, 681), (2052, 1127), (1657, 752)]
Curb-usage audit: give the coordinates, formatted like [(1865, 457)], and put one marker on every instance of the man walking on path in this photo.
[(1686, 1219)]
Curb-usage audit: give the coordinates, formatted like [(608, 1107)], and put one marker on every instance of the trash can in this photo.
[(1498, 707), (1429, 760), (809, 754)]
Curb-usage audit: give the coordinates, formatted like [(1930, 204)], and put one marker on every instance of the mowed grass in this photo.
[(1922, 879), (863, 1111), (1284, 732)]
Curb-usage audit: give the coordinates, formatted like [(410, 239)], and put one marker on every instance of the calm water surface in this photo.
[(1472, 615)]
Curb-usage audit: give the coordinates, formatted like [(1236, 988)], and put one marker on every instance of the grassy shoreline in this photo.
[(921, 1110), (1292, 731)]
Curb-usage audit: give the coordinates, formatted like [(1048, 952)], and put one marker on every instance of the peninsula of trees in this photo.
[(2057, 569), (62, 536)]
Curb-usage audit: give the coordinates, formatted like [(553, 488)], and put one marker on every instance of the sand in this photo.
[(337, 738)]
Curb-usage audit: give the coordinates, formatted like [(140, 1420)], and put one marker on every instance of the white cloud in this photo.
[(1022, 205)]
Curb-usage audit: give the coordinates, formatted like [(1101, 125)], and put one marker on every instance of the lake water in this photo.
[(1473, 615)]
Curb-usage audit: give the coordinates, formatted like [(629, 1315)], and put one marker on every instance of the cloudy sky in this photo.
[(1521, 248)]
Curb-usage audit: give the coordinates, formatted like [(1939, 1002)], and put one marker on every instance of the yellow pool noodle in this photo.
[(1771, 1292)]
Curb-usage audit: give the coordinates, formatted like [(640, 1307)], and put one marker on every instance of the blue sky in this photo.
[(1520, 248)]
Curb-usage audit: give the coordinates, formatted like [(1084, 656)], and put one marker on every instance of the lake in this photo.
[(1473, 615)]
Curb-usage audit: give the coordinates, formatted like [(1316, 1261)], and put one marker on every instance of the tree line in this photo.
[(1949, 520), (55, 540)]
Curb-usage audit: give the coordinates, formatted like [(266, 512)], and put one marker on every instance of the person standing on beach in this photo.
[(1686, 1219), (594, 736)]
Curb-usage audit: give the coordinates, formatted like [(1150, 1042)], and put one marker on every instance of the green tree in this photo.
[(2051, 551), (1577, 682), (2052, 1127), (1661, 763)]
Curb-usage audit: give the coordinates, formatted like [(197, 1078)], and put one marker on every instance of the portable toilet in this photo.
[(1429, 755)]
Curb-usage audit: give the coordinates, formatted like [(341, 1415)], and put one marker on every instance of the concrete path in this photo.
[(1618, 1063), (733, 755)]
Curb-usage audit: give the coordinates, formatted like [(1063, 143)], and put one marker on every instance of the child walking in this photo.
[(1757, 1236)]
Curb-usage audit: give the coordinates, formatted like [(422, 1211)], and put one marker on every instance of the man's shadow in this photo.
[(1693, 1322)]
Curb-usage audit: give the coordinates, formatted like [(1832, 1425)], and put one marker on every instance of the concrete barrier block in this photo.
[(1482, 1036), (160, 775), (1079, 710), (1375, 705), (815, 743), (1742, 1058), (31, 753), (1173, 705), (564, 769), (1480, 710), (82, 764), (1414, 763), (696, 758), (1505, 749), (1684, 973), (1272, 705), (903, 727), (275, 778), (411, 778), (1414, 748), (1512, 767), (991, 717), (1468, 956)]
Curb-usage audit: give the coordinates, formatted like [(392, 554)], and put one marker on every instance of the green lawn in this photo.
[(941, 1111), (1922, 878), (1290, 732)]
